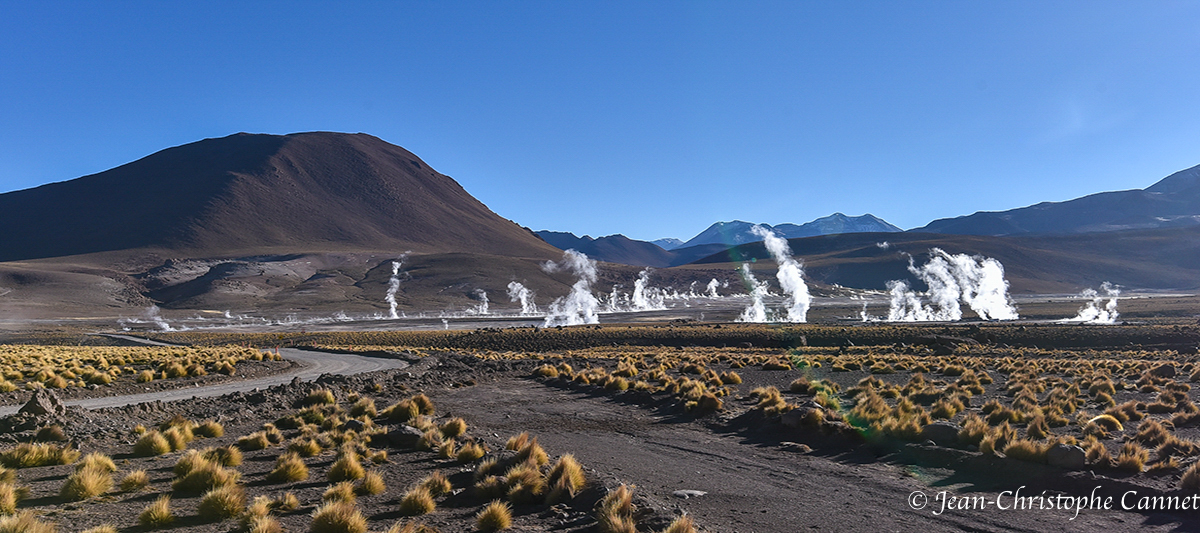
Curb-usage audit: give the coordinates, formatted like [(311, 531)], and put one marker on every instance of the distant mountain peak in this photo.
[(737, 232)]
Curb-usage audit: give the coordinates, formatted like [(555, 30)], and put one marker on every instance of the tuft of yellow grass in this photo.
[(157, 514), (494, 516), (417, 501), (338, 517)]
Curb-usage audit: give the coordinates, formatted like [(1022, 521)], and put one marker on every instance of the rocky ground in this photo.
[(732, 472)]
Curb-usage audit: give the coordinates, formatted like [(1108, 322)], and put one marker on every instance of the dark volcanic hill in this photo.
[(249, 193), (1172, 202), (613, 248)]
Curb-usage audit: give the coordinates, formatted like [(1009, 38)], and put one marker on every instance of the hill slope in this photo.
[(613, 248), (1166, 258), (1172, 202), (249, 193)]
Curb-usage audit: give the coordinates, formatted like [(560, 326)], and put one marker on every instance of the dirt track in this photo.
[(313, 364), (751, 487)]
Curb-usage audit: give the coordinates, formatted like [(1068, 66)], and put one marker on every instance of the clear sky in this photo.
[(652, 119)]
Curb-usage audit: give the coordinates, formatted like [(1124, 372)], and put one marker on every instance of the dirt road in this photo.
[(313, 364)]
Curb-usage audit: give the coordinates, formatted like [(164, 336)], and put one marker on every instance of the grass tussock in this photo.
[(135, 481), (97, 461), (289, 468), (494, 516), (347, 468), (338, 517), (150, 444), (222, 502), (105, 528), (470, 452), (417, 501), (224, 456), (370, 484), (157, 515), (25, 522), (1190, 481), (437, 484), (454, 428), (683, 524), (210, 429), (614, 514), (86, 483), (340, 492), (205, 478), (10, 496), (30, 455)]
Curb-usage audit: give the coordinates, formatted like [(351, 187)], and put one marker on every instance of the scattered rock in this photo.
[(1165, 370), (43, 403), (404, 437), (1066, 456), (802, 416), (353, 425), (685, 494), (796, 447), (942, 433)]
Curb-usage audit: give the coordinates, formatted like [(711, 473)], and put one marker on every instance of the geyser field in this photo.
[(753, 402)]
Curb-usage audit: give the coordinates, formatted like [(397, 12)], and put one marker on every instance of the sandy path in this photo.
[(750, 488), (313, 365)]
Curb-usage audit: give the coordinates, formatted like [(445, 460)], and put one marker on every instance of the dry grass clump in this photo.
[(437, 484), (565, 479), (158, 514), (305, 447), (222, 502), (470, 452), (614, 514), (1133, 457), (363, 407), (1026, 450), (319, 397), (29, 455), (683, 524), (546, 371), (346, 468), (417, 501), (371, 484), (423, 403), (401, 412), (150, 444), (106, 528), (289, 468), (205, 477), (494, 517), (210, 429), (87, 482), (1190, 481), (135, 481), (454, 428), (532, 452), (338, 517), (10, 495), (25, 522), (98, 461), (254, 441), (224, 456), (340, 492)]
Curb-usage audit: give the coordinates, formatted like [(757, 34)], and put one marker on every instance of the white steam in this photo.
[(952, 280), (518, 293), (645, 297), (482, 307), (394, 285), (713, 286), (756, 311), (580, 306), (790, 274), (1094, 312)]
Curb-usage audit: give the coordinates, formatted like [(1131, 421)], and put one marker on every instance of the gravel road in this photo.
[(313, 364)]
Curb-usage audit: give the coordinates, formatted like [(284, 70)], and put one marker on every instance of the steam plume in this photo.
[(646, 298), (712, 288), (790, 274), (394, 285), (756, 311), (953, 279), (482, 308), (518, 293), (578, 307), (1093, 313)]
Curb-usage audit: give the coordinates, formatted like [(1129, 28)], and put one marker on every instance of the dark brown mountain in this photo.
[(1172, 202), (613, 248), (255, 194)]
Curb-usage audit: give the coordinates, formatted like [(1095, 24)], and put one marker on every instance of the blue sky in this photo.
[(652, 119)]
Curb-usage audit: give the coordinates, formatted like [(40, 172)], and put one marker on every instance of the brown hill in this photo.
[(255, 194)]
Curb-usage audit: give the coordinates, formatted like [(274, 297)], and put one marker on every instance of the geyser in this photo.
[(580, 305), (645, 297), (517, 292), (1093, 312), (790, 274), (756, 311), (394, 285), (953, 279)]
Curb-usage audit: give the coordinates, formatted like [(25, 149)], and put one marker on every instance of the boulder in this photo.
[(1165, 370), (1066, 456), (353, 425), (942, 433), (43, 403), (404, 437), (802, 416)]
